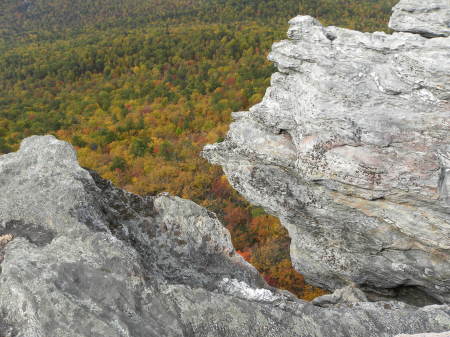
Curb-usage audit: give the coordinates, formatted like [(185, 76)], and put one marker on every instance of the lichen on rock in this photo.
[(350, 148), (429, 18), (88, 259)]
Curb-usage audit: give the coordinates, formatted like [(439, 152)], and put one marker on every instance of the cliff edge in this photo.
[(82, 258), (350, 148)]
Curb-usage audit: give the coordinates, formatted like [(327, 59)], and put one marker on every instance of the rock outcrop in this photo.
[(347, 294), (350, 148), (430, 18), (80, 257)]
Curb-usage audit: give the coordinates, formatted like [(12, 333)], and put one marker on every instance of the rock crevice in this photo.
[(349, 148), (105, 262)]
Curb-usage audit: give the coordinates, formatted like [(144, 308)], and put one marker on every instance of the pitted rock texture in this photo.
[(348, 294), (430, 18), (350, 148), (443, 334), (82, 258)]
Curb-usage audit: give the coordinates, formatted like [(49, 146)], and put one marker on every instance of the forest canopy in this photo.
[(139, 87)]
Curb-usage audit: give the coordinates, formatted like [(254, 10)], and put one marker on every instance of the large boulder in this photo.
[(350, 148), (82, 258)]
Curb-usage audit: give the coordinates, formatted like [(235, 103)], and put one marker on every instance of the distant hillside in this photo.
[(139, 87), (37, 17)]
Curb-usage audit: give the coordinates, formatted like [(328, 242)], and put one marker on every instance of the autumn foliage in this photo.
[(140, 94)]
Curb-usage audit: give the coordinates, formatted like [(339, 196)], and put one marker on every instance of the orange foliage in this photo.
[(235, 215), (245, 254)]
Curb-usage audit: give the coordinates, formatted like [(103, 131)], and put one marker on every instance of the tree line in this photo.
[(141, 91)]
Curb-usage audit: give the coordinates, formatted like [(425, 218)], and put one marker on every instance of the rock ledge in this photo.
[(80, 257), (350, 148)]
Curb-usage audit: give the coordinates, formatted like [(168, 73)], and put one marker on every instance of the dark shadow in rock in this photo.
[(411, 295), (6, 330), (131, 218), (36, 234)]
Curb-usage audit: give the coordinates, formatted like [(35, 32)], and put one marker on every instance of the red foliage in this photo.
[(271, 281), (221, 188), (235, 215), (230, 81), (145, 110), (247, 255)]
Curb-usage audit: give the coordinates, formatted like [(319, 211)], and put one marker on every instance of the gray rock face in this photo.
[(347, 294), (430, 18), (350, 148), (80, 257), (443, 334)]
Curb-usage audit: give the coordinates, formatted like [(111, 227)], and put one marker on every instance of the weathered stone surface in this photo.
[(83, 258), (443, 334), (431, 18), (350, 148), (347, 294)]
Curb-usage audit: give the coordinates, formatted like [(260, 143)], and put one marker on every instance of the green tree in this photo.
[(118, 163), (138, 147)]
